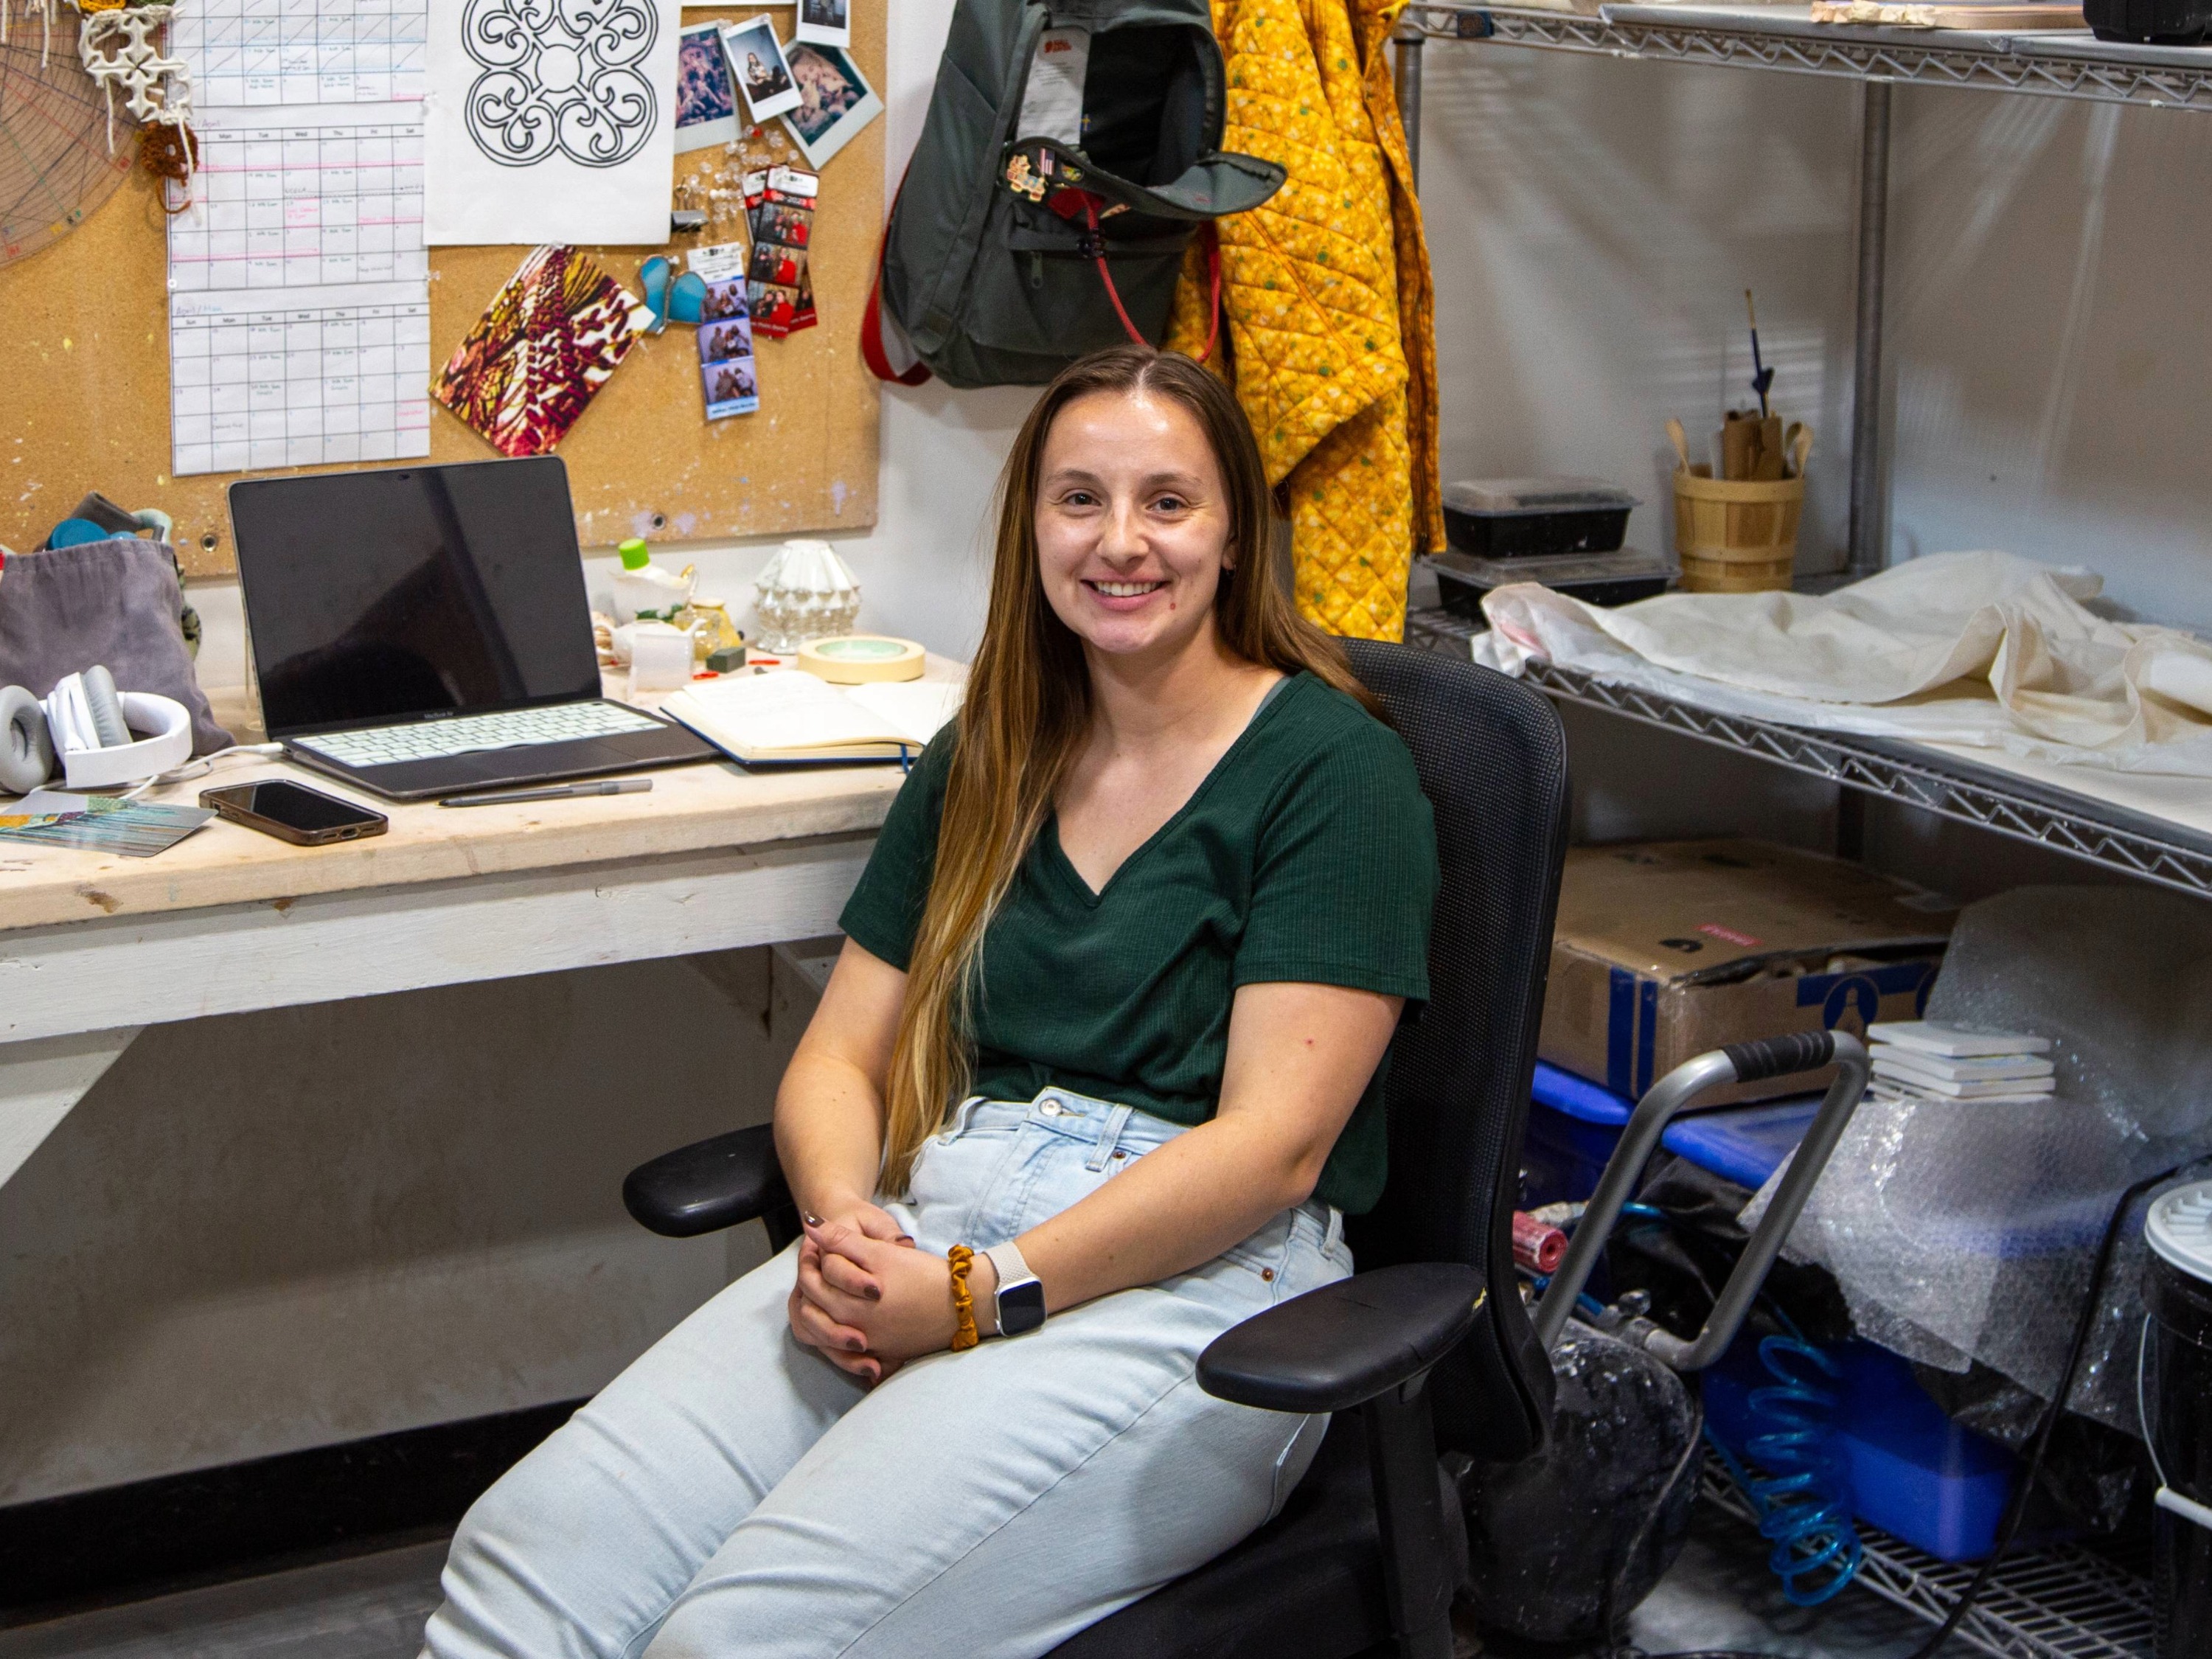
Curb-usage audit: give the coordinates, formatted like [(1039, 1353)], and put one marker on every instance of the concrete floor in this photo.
[(1720, 1595), (373, 1606)]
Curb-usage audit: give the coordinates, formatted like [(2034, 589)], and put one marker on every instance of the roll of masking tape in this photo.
[(26, 752), (862, 659)]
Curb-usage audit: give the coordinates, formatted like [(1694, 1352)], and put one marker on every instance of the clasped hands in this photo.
[(869, 1300)]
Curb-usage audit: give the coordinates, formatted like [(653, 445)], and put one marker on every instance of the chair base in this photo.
[(1308, 1585)]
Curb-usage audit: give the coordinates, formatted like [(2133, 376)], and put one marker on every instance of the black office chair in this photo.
[(1427, 1345)]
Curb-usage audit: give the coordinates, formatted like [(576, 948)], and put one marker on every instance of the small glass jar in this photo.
[(707, 622)]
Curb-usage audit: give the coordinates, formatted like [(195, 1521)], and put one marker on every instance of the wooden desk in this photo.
[(93, 948)]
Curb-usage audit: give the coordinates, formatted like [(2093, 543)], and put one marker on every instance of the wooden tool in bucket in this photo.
[(1738, 536)]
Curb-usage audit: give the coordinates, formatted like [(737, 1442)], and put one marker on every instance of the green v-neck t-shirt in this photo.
[(1308, 854)]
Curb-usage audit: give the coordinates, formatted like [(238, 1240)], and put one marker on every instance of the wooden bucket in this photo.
[(1734, 537)]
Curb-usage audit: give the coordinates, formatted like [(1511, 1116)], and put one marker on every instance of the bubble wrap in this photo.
[(1963, 1232)]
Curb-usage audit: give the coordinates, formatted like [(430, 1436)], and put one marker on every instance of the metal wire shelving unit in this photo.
[(2054, 65), (1782, 37), (2108, 836), (2061, 1602)]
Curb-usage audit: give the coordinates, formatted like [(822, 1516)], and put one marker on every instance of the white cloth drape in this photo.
[(1981, 649)]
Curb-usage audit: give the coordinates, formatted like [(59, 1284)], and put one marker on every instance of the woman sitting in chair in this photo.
[(1097, 1077)]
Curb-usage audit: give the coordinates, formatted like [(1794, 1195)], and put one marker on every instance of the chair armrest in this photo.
[(1344, 1344), (708, 1185)]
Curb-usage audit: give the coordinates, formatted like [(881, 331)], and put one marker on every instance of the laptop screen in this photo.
[(373, 597)]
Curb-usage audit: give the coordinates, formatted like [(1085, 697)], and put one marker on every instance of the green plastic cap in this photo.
[(636, 555)]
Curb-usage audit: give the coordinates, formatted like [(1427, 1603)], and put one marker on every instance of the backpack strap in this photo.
[(1211, 233), (1068, 203), (939, 317), (873, 350)]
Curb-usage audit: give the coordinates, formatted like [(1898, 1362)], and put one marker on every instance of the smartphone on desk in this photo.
[(292, 811)]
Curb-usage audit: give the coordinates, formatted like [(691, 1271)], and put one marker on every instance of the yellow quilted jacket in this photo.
[(1330, 314)]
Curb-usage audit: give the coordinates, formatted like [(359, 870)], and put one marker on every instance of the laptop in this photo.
[(423, 630)]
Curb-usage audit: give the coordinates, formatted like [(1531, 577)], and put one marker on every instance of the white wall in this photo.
[(2053, 360), (1593, 224), (281, 1229)]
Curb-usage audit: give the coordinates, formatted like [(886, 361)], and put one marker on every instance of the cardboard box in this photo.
[(1664, 949)]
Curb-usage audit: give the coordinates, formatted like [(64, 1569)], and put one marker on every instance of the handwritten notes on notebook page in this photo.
[(789, 715)]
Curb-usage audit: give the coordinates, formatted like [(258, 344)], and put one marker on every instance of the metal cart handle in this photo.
[(1740, 1062)]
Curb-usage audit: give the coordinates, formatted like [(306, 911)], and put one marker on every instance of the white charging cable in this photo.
[(2167, 1499), (205, 764)]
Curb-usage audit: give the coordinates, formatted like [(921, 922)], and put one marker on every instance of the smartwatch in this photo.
[(1018, 1302)]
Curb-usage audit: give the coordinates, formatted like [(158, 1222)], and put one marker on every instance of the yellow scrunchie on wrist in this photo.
[(960, 1259)]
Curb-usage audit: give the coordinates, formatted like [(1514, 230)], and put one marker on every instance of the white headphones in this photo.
[(103, 736)]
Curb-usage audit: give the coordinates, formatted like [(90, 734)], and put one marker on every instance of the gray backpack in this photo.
[(1072, 150)]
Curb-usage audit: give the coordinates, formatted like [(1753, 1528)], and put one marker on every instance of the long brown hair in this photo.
[(1028, 710)]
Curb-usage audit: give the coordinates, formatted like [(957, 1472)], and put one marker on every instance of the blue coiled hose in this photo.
[(1799, 1493)]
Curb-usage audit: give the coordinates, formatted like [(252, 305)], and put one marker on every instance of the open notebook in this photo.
[(789, 716)]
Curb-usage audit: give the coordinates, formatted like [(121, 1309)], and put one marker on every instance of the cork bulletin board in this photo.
[(87, 405)]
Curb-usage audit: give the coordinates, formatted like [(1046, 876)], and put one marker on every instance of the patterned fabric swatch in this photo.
[(552, 335)]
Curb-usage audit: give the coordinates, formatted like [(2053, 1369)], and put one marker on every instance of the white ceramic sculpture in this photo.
[(803, 593)]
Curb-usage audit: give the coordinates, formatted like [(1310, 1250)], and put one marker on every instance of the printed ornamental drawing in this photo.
[(560, 76)]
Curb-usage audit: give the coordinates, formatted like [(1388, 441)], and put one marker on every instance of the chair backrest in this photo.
[(1492, 760)]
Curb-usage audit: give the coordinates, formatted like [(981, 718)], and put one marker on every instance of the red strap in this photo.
[(872, 339), (872, 350), (1212, 232), (1090, 204), (1091, 218)]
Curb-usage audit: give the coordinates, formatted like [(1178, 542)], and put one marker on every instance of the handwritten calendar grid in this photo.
[(281, 207), (246, 52), (300, 385)]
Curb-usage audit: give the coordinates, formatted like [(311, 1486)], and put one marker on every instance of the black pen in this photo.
[(556, 791)]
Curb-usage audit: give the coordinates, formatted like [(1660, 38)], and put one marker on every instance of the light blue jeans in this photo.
[(732, 1495)]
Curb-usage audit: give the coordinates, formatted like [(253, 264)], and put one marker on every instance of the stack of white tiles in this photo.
[(1922, 1060)]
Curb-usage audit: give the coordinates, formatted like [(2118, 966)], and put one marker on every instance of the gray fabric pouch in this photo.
[(115, 602)]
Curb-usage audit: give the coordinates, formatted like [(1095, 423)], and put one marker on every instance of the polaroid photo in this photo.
[(758, 66), (834, 101), (826, 22), (706, 103)]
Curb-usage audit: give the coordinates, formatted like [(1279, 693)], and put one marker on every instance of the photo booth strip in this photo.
[(779, 212)]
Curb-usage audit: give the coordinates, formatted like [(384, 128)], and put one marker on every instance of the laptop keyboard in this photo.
[(515, 728)]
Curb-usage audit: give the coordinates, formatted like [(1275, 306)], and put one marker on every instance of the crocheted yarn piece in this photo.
[(120, 49)]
